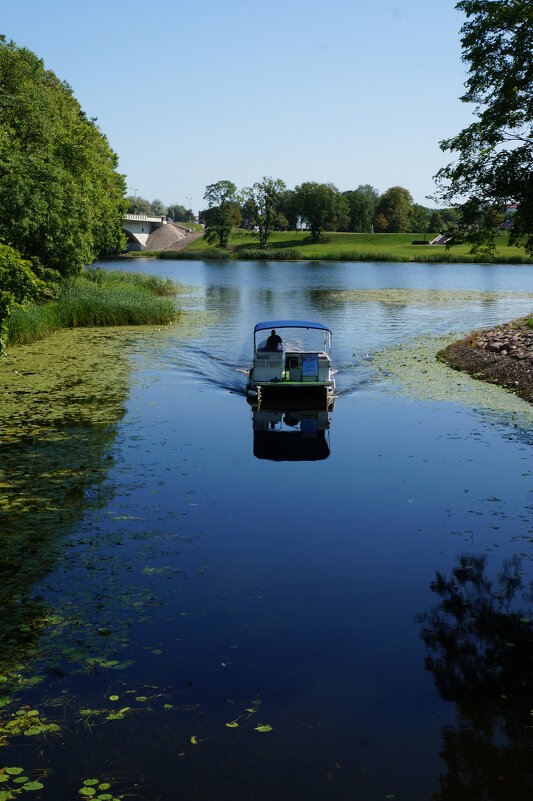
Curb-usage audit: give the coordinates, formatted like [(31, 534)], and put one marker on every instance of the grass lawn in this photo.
[(194, 226), (354, 247)]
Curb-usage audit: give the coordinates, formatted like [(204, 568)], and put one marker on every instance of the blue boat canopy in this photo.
[(289, 324)]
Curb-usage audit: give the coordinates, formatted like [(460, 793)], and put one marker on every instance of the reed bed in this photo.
[(97, 298), (306, 253), (255, 254), (213, 254)]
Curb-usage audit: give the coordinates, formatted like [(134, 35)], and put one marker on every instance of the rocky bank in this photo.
[(501, 355)]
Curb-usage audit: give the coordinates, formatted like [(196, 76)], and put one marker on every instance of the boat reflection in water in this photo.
[(292, 435)]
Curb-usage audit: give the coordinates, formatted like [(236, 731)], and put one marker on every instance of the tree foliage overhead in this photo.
[(223, 212), (495, 153), (61, 198), (262, 202)]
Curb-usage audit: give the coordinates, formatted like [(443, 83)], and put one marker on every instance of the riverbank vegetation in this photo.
[(62, 200), (96, 298), (335, 246)]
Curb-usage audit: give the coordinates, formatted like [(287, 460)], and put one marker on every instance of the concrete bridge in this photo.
[(154, 233), (138, 228)]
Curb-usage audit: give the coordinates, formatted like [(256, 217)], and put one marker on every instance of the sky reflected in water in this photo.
[(363, 617)]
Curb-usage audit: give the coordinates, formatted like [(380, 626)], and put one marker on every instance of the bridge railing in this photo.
[(144, 218)]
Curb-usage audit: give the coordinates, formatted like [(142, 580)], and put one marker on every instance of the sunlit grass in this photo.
[(292, 245), (97, 298)]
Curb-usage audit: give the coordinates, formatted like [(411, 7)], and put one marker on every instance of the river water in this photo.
[(190, 611)]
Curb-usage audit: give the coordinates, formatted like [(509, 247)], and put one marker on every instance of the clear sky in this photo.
[(346, 91)]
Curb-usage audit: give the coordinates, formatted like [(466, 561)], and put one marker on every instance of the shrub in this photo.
[(17, 284)]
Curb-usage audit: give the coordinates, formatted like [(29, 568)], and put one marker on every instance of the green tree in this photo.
[(262, 202), (61, 199), (17, 284), (158, 207), (495, 153), (178, 212), (436, 222), (322, 207), (418, 218), (139, 205), (362, 203), (478, 224), (395, 205), (222, 213), (288, 206)]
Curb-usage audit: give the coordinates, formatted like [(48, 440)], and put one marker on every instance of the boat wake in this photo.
[(212, 369)]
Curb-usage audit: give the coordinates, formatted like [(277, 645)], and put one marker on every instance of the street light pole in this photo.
[(190, 209), (134, 195)]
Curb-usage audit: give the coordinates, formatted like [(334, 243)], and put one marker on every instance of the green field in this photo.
[(352, 247), (194, 226)]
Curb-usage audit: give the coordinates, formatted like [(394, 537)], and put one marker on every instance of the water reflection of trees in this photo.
[(61, 400), (481, 656), (223, 297)]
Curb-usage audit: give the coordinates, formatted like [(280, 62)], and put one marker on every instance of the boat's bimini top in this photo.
[(289, 324)]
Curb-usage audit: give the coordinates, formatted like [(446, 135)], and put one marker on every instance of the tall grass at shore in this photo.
[(97, 298), (294, 254), (334, 246), (213, 254)]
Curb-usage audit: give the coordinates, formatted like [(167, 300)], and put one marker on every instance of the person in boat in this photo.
[(274, 341)]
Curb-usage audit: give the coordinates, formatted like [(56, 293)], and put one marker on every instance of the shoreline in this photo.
[(294, 256), (502, 355)]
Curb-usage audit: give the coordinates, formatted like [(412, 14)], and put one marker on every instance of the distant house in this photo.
[(510, 211)]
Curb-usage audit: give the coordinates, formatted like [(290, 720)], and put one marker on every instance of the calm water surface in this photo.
[(371, 608)]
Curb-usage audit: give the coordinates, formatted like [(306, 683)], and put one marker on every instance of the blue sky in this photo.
[(344, 91)]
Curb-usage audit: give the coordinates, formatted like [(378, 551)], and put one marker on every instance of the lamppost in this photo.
[(134, 197), (190, 208)]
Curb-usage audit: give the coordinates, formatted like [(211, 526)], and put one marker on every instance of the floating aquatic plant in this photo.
[(97, 790), (28, 723), (13, 783), (413, 366)]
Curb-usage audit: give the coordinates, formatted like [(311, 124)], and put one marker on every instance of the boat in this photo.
[(291, 435), (289, 369)]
